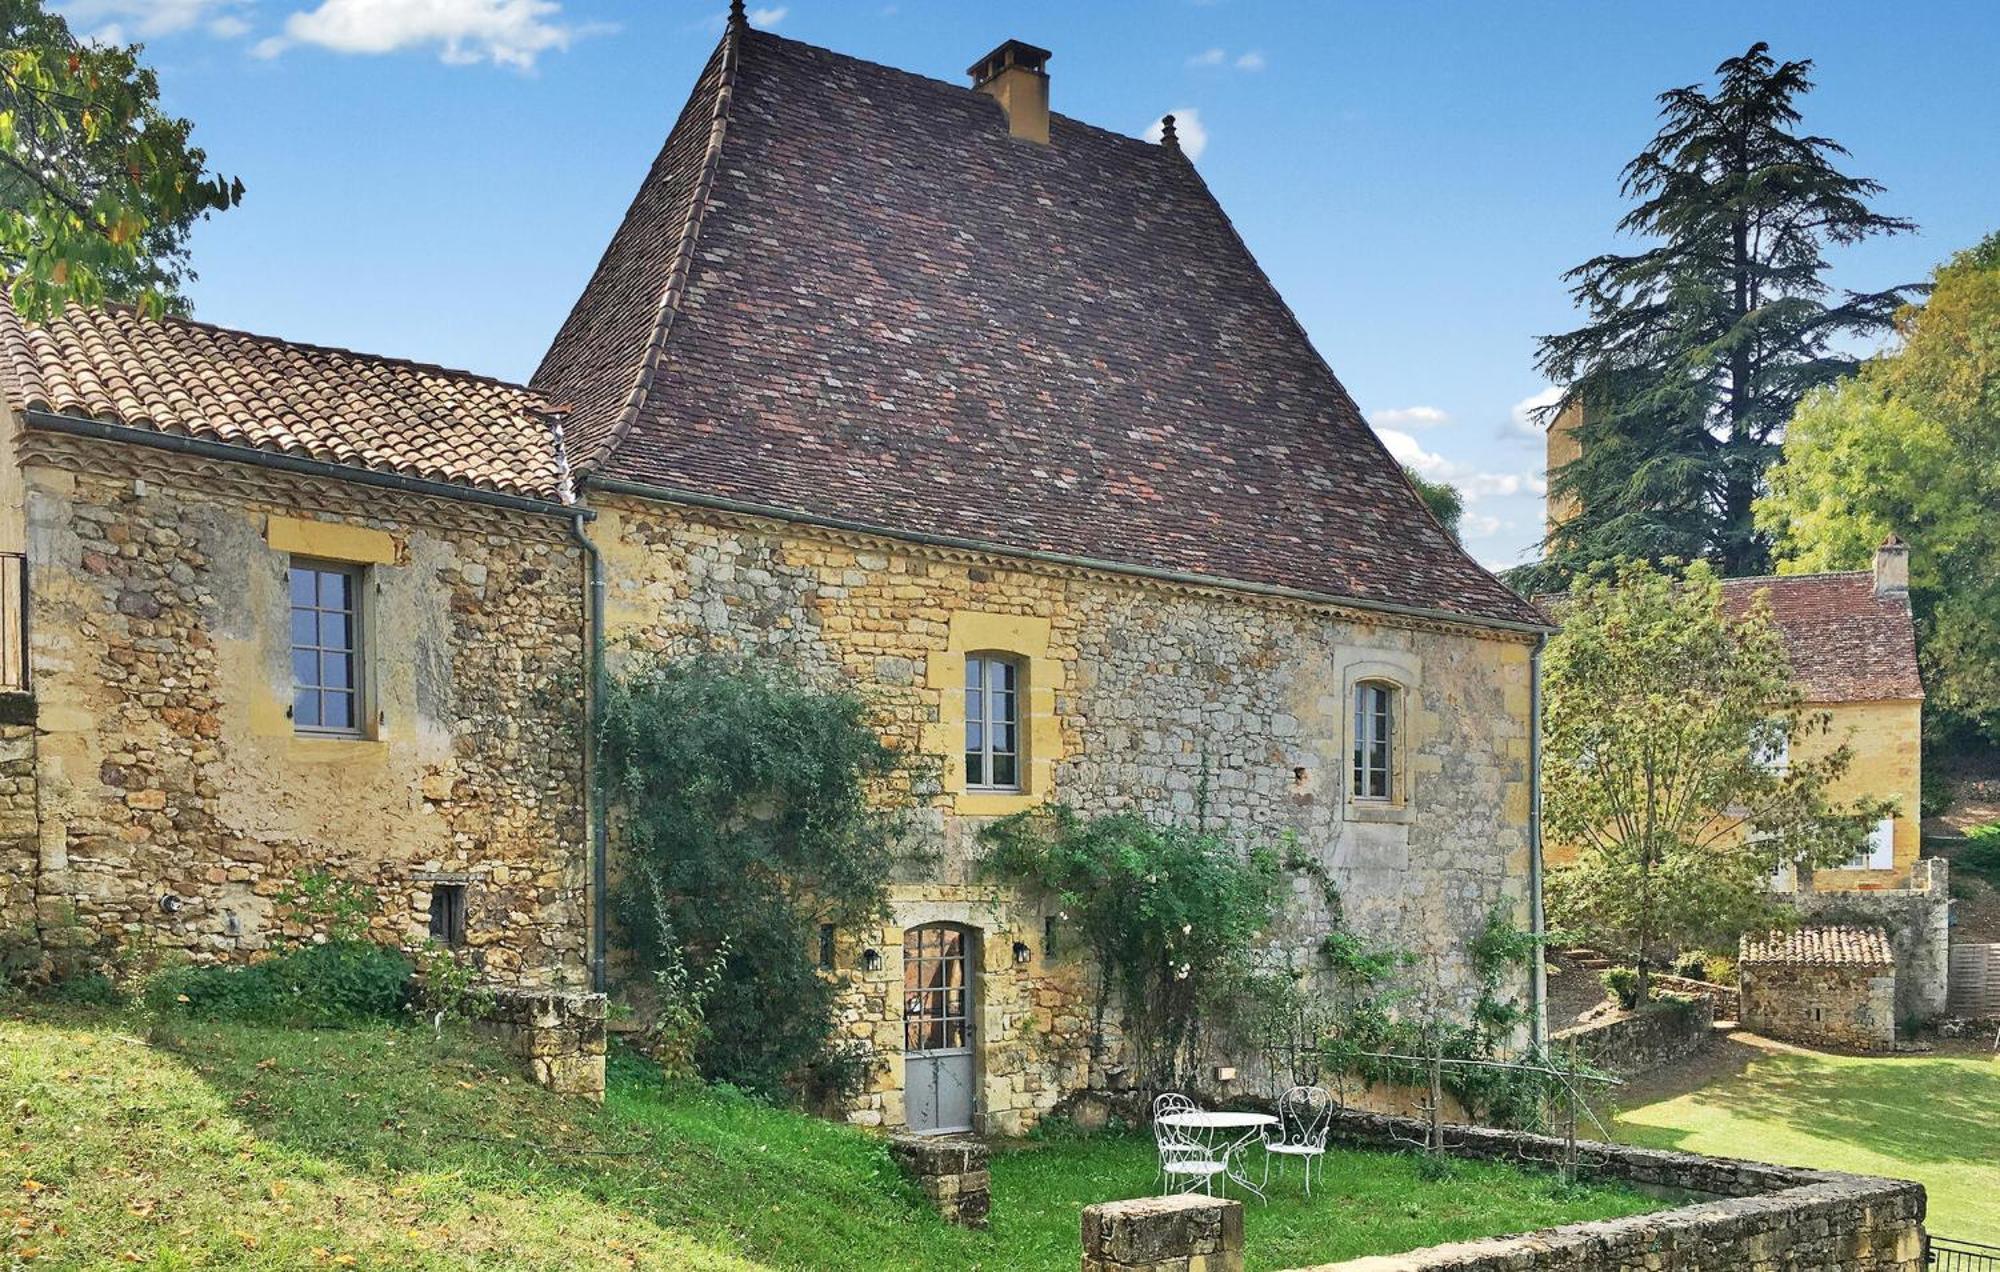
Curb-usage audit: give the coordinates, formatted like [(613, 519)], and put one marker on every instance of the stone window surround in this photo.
[(365, 551), (1401, 672), (1025, 638)]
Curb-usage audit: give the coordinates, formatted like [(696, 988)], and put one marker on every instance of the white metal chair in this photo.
[(1305, 1115), (1186, 1163)]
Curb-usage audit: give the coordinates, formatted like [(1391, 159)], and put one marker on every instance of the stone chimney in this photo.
[(1892, 568), (1015, 76)]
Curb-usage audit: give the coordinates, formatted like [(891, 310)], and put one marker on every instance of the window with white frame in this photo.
[(326, 648), (992, 722), (1375, 740), (1773, 753), (1879, 853)]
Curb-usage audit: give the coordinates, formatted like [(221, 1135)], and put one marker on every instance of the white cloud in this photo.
[(505, 32), (1477, 525), (1474, 483), (1251, 61), (1208, 57), (1408, 450), (766, 19), (1187, 126), (1410, 417), (1522, 421), (117, 21)]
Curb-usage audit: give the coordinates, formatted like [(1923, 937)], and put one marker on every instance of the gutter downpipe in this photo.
[(1538, 981), (592, 775)]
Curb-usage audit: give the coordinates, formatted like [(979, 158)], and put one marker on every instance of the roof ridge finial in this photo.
[(738, 18), (1168, 137)]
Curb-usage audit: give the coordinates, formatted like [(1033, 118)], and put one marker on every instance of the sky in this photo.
[(436, 179)]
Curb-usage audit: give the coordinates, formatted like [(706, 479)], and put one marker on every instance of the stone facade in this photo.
[(173, 799), (1660, 1033), (1771, 1218), (1849, 1006), (1182, 702), (1918, 921)]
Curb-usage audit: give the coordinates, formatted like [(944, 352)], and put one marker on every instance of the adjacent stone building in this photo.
[(1826, 986), (925, 389)]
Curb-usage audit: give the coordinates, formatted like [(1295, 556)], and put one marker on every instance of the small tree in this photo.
[(744, 820), (1169, 914), (1446, 501), (98, 188), (1664, 726)]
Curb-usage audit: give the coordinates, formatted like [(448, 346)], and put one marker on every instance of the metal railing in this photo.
[(1961, 1256), (13, 622)]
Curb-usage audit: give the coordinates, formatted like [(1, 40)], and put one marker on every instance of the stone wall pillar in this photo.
[(561, 1036), (952, 1173), (20, 829), (1187, 1233)]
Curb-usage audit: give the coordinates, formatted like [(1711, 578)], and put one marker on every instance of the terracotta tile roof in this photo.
[(846, 291), (176, 376), (1819, 947), (1846, 643)]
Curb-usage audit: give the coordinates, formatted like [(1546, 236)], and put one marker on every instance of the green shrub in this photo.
[(1981, 855), (338, 982), (1623, 984), (745, 821)]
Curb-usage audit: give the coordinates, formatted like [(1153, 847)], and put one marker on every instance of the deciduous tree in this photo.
[(99, 188), (1663, 725)]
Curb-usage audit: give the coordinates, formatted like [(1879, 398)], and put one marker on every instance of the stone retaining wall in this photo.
[(561, 1036), (1772, 1218), (1660, 1033), (1185, 1233), (1727, 1000)]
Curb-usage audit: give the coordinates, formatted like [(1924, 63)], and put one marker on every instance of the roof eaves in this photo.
[(683, 262)]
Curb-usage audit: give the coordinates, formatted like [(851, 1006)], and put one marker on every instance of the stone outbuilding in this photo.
[(1829, 986)]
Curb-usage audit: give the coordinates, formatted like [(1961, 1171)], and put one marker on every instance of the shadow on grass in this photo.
[(1924, 1110)]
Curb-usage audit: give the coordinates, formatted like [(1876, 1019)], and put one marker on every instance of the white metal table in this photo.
[(1225, 1135)]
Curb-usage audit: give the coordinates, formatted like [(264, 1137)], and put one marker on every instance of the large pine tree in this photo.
[(1698, 347)]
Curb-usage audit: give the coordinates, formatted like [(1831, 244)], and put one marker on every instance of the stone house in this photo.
[(924, 388), (1826, 986)]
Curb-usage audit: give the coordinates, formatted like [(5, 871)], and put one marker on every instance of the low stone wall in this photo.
[(952, 1173), (1772, 1218), (1727, 1001), (561, 1036), (1660, 1033), (1187, 1233)]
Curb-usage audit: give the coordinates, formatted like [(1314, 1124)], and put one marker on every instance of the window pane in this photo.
[(1003, 739), (333, 590), (1003, 771), (1000, 677), (975, 768), (305, 708), (305, 667), (302, 586), (335, 669), (305, 627), (335, 631), (975, 672), (336, 711)]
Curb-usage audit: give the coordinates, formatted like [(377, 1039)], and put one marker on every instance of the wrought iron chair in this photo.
[(1186, 1163), (1305, 1115)]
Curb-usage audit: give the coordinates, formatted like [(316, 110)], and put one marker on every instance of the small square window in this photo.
[(448, 914)]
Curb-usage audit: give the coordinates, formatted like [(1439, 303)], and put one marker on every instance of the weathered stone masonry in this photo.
[(1173, 700), (174, 800)]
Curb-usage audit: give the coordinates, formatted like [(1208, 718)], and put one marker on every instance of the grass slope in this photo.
[(241, 1147), (1934, 1119)]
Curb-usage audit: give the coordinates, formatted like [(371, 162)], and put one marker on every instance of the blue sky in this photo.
[(436, 178)]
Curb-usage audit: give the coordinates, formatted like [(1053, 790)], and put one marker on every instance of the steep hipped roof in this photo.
[(174, 376), (1818, 947), (1846, 642), (845, 291)]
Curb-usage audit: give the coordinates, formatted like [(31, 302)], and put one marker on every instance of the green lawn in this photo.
[(263, 1148), (1934, 1119)]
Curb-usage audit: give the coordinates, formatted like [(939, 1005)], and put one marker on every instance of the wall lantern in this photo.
[(871, 960), (1022, 953)]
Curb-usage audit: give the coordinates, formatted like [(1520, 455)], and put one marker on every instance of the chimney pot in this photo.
[(1016, 76), (1892, 568)]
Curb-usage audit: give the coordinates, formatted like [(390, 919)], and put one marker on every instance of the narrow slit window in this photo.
[(448, 914), (1374, 741), (826, 947), (992, 723), (326, 644)]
